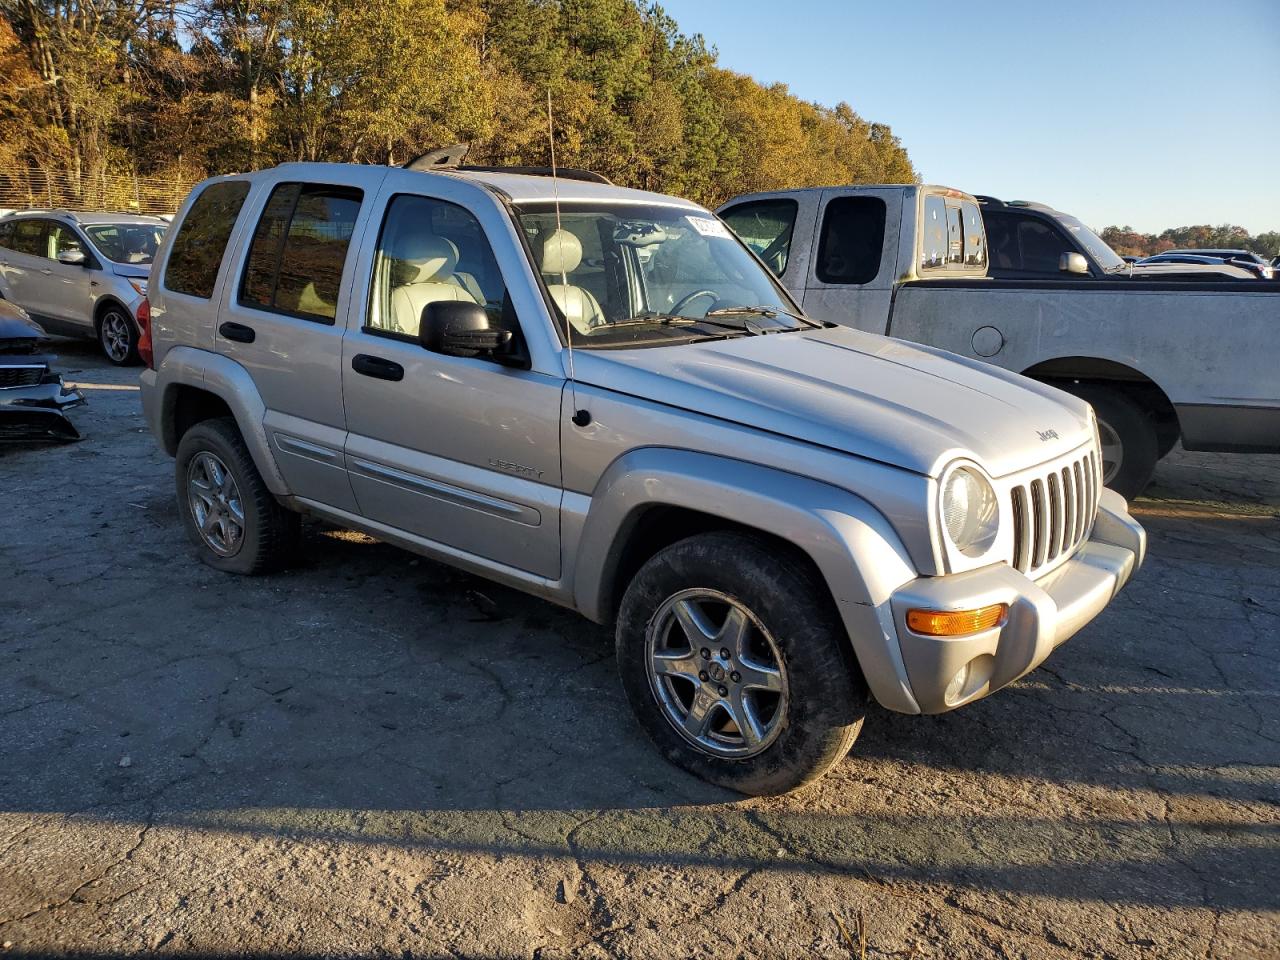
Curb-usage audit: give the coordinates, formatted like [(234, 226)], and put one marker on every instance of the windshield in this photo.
[(126, 242), (1107, 258), (624, 274)]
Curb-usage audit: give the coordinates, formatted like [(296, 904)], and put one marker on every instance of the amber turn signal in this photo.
[(956, 623)]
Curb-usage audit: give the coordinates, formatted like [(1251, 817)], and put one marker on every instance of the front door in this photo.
[(461, 451), (284, 316), (70, 287)]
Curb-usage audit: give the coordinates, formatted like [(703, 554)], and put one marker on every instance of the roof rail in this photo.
[(450, 159), (987, 201)]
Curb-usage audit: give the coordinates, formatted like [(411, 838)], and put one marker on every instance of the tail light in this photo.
[(144, 334)]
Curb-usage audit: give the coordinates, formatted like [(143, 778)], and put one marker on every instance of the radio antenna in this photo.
[(580, 417)]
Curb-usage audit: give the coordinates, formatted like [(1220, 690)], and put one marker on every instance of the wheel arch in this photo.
[(195, 385), (1149, 395), (106, 302), (651, 498)]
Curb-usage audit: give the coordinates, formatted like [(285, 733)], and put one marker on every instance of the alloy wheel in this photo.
[(1112, 451), (215, 504), (717, 673), (116, 336)]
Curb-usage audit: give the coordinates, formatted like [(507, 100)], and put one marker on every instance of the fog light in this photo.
[(955, 689), (956, 623)]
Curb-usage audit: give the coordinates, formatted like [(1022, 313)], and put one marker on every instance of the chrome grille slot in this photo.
[(21, 376), (1053, 513)]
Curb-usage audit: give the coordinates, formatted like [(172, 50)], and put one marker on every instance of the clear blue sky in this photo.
[(1149, 114)]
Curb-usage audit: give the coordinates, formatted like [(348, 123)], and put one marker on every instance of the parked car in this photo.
[(1032, 241), (1159, 360), (599, 396), (81, 274), (33, 399), (1257, 265)]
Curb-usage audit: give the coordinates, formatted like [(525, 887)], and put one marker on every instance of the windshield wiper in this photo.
[(760, 311)]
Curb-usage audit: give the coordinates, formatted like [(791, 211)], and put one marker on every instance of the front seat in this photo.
[(561, 255), (422, 266)]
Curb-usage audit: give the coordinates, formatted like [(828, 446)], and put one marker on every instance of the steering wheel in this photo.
[(690, 297)]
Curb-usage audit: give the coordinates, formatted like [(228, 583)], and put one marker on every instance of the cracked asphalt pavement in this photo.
[(374, 754)]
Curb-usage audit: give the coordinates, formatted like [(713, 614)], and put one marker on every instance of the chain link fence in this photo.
[(36, 188)]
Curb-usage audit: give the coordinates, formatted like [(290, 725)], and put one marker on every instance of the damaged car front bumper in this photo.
[(34, 408)]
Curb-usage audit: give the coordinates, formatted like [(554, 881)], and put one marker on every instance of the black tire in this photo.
[(269, 533), (1135, 430), (118, 336), (827, 696)]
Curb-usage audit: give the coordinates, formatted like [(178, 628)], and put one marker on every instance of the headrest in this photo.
[(424, 257), (561, 252)]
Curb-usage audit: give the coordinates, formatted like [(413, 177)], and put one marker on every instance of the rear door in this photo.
[(852, 275), (461, 451), (283, 316), (25, 262)]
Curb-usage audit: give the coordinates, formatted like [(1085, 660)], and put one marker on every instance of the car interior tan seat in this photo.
[(561, 255), (422, 272)]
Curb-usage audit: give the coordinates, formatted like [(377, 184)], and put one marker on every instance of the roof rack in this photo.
[(450, 159)]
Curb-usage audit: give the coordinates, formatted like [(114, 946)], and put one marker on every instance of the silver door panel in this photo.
[(309, 455)]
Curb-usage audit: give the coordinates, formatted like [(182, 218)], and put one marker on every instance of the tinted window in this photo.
[(1025, 244), (298, 251), (852, 240), (202, 239), (766, 227), (1042, 246), (431, 251), (29, 237), (6, 234), (933, 233)]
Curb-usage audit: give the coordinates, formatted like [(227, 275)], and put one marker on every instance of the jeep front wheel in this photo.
[(737, 665)]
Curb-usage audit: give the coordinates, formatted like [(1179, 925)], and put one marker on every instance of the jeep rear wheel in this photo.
[(737, 665), (229, 514)]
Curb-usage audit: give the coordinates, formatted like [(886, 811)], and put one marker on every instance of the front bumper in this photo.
[(38, 411), (1042, 613)]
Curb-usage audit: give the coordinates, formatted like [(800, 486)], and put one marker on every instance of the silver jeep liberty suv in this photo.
[(601, 397)]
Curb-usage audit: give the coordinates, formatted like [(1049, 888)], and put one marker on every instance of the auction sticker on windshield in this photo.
[(708, 227)]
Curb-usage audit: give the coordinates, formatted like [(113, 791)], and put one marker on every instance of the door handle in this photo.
[(237, 332), (377, 367)]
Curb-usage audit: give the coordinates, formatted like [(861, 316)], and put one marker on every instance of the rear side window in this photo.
[(852, 240), (766, 227), (29, 237), (6, 234), (202, 239), (299, 249)]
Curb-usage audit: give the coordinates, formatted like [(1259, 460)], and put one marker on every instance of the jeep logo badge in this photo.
[(1048, 434)]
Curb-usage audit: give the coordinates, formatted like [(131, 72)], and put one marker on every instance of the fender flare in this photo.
[(855, 549), (231, 383)]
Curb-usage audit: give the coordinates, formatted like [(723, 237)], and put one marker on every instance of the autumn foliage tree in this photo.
[(187, 88)]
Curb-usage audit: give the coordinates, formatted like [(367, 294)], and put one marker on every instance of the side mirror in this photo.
[(72, 258), (461, 329), (1073, 263)]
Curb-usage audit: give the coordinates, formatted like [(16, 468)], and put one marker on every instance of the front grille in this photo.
[(26, 376), (1054, 513)]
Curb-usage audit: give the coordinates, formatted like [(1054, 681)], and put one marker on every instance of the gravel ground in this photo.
[(373, 754)]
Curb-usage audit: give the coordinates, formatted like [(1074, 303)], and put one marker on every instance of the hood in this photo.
[(1160, 271), (876, 397), (139, 271), (17, 329)]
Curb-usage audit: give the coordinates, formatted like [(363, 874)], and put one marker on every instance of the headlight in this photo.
[(970, 513), (140, 286)]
